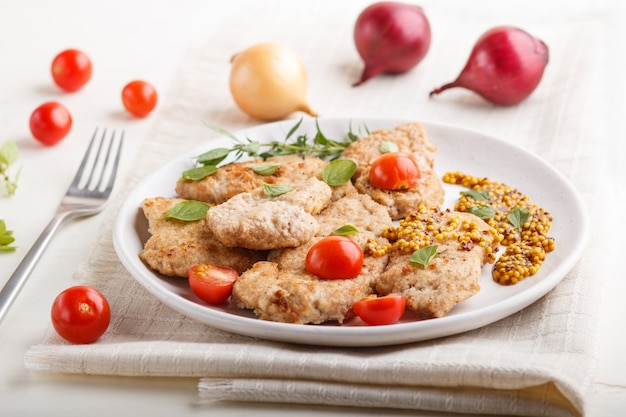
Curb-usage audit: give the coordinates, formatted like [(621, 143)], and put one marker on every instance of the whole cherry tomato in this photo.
[(50, 122), (71, 69), (377, 311), (335, 257), (395, 171), (212, 284), (139, 98), (80, 314)]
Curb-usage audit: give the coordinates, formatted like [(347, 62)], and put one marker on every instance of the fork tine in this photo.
[(83, 163), (96, 159), (113, 174)]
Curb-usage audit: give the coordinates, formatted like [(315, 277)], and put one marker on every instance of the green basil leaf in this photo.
[(338, 172), (345, 230), (478, 195), (387, 147), (264, 170), (6, 239), (518, 217), (423, 256), (187, 211), (482, 212), (214, 156), (198, 173), (8, 153), (274, 190)]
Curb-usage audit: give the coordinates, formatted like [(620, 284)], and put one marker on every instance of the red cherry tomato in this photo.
[(80, 314), (50, 122), (377, 311), (139, 98), (395, 171), (71, 69), (212, 284), (335, 257)]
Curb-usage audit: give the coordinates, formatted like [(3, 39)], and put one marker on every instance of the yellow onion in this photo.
[(268, 81)]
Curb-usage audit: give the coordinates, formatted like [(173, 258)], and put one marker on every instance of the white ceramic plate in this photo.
[(458, 149)]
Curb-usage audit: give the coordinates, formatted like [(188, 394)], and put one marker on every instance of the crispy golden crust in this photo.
[(175, 246), (451, 276), (236, 178), (410, 138)]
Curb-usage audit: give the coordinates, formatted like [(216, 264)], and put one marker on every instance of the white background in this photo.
[(148, 40)]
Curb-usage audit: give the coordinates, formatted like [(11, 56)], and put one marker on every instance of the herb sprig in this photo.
[(293, 144), (8, 156), (6, 238)]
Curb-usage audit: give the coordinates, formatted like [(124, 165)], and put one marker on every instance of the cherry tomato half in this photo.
[(71, 69), (139, 98), (395, 171), (335, 257), (50, 122), (212, 284), (377, 311), (80, 314)]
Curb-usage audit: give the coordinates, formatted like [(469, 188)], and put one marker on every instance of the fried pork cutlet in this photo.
[(174, 246), (410, 138), (240, 177), (255, 221), (282, 290), (465, 244)]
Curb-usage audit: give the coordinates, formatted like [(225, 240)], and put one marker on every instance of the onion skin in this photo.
[(504, 67), (268, 81), (391, 37)]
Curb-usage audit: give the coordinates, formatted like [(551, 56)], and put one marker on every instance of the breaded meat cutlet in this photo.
[(410, 138), (465, 243), (174, 246), (255, 221), (357, 209), (282, 290), (239, 177)]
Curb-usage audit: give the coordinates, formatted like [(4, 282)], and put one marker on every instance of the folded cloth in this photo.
[(539, 361)]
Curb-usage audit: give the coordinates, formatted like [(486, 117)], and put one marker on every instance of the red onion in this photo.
[(391, 37), (504, 67)]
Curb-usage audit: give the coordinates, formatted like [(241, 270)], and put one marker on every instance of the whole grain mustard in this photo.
[(526, 245)]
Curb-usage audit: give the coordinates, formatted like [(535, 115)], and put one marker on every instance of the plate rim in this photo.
[(348, 336)]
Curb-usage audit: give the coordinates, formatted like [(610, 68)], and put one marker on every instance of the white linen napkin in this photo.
[(538, 362)]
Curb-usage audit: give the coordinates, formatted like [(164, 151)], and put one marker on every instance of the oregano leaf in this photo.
[(198, 173), (482, 212), (187, 211), (214, 156), (264, 170), (338, 172), (423, 256), (274, 190), (478, 195), (345, 230), (518, 217), (386, 147)]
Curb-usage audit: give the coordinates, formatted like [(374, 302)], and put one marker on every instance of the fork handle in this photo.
[(12, 287)]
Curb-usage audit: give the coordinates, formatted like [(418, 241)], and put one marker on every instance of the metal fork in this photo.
[(86, 195)]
